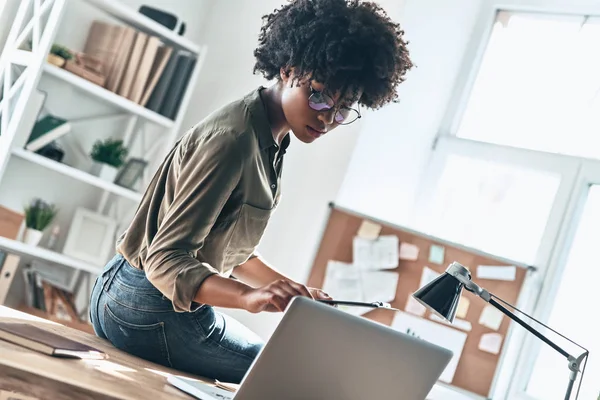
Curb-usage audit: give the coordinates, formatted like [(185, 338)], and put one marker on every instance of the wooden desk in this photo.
[(121, 376)]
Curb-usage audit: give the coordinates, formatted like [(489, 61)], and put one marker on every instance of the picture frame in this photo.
[(90, 237), (131, 172), (60, 276)]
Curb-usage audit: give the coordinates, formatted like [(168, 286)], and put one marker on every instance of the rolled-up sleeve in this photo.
[(208, 173)]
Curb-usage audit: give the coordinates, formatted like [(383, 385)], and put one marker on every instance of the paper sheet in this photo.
[(490, 343), (463, 307), (440, 335), (436, 254), (379, 285), (502, 273), (414, 307), (342, 281), (427, 276), (345, 281), (457, 323), (409, 251), (369, 230), (491, 317), (380, 253)]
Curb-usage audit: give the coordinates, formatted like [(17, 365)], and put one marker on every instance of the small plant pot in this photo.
[(104, 171), (32, 236), (56, 60)]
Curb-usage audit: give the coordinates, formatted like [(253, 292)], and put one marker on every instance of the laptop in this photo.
[(320, 352)]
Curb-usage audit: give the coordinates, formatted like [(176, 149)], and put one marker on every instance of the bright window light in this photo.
[(572, 312), (538, 86), (498, 208)]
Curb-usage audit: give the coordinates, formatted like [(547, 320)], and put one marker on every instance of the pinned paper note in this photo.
[(409, 251), (379, 286), (451, 339), (414, 307), (502, 273), (427, 276), (463, 307), (491, 317), (490, 342), (342, 281), (347, 282), (457, 323), (436, 254), (381, 253), (369, 230)]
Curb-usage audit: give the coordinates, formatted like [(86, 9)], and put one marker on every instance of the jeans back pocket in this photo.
[(146, 341)]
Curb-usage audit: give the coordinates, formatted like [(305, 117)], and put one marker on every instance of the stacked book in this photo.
[(140, 67)]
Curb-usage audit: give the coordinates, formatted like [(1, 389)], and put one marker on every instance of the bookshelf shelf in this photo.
[(26, 251), (131, 17), (168, 70), (107, 96), (77, 174)]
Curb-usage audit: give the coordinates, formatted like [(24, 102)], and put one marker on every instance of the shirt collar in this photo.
[(260, 121)]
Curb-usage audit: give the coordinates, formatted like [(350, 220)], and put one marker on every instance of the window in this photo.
[(572, 312), (511, 171), (538, 85), (495, 207)]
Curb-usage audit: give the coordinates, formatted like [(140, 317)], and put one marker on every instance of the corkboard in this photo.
[(476, 369)]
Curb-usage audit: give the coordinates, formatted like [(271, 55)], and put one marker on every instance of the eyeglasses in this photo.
[(319, 101)]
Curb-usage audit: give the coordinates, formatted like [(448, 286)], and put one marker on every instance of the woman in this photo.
[(204, 212)]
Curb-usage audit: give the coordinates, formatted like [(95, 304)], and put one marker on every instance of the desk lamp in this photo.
[(443, 293)]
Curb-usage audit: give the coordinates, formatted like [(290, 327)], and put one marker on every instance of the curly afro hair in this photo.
[(347, 45)]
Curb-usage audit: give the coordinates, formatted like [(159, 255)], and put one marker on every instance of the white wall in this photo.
[(395, 144)]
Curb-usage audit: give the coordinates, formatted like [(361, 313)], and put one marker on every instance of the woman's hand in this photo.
[(318, 294), (273, 297)]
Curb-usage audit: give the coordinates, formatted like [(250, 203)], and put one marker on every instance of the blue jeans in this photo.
[(134, 316)]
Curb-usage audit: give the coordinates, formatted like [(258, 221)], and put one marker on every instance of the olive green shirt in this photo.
[(207, 206)]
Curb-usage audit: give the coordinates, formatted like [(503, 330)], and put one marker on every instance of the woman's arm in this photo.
[(224, 292), (257, 272)]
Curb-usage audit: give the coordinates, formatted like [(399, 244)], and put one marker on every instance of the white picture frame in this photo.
[(90, 237), (60, 276)]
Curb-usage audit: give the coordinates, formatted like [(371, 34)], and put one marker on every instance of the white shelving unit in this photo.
[(39, 21), (29, 252), (77, 174), (107, 96)]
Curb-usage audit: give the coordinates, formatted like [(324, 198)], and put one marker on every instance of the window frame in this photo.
[(588, 175), (518, 357)]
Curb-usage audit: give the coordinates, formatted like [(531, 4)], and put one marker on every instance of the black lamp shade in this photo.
[(441, 296)]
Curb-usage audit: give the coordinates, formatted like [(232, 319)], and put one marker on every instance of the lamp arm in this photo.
[(574, 362)]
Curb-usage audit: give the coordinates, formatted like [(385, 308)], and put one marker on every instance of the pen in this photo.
[(375, 304)]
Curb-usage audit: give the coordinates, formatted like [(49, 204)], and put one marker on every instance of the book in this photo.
[(133, 64), (183, 71), (46, 130), (46, 342), (162, 58), (145, 67), (157, 96), (9, 269), (115, 75), (102, 43)]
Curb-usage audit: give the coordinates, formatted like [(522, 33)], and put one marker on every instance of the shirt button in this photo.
[(273, 186)]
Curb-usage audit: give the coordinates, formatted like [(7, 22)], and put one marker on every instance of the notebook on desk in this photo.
[(46, 342)]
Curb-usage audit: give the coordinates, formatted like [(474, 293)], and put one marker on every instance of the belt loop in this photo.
[(112, 271)]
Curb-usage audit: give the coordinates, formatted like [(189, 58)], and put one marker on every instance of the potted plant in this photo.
[(38, 215), (59, 55), (108, 156)]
